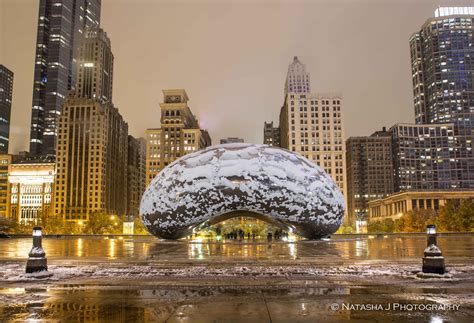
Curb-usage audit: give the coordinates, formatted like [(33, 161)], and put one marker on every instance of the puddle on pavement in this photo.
[(84, 303)]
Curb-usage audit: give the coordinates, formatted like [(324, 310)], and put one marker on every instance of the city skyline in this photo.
[(184, 69)]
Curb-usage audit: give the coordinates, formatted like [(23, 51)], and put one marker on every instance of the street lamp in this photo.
[(37, 257), (433, 260)]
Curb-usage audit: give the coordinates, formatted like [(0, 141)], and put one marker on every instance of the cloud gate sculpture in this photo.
[(229, 180)]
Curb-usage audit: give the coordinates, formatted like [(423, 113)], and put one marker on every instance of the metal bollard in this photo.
[(37, 257), (433, 260)]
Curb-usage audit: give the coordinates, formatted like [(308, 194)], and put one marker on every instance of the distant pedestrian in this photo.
[(269, 236)]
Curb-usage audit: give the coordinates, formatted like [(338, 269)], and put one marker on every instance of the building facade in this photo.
[(61, 24), (369, 172), (442, 67), (179, 133), (297, 78), (312, 126), (92, 140), (231, 140), (31, 189), (394, 206), (271, 134), (136, 175), (5, 163), (424, 157), (6, 92)]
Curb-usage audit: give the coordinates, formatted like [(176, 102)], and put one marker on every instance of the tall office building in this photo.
[(442, 62), (369, 172), (6, 91), (312, 126), (61, 24), (297, 78), (91, 158), (271, 134), (179, 133), (424, 157), (136, 174)]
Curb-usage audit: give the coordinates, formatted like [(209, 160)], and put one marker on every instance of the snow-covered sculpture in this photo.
[(229, 180)]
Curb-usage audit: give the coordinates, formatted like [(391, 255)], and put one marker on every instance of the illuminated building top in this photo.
[(450, 11)]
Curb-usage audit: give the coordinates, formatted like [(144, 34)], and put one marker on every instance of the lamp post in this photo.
[(433, 260), (37, 257)]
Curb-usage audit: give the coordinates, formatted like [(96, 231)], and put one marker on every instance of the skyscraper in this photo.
[(136, 173), (424, 157), (312, 126), (271, 134), (6, 91), (297, 79), (369, 172), (61, 24), (442, 59), (179, 133), (91, 158), (442, 66)]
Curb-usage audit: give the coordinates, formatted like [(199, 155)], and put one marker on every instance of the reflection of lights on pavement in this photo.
[(196, 250), (436, 319), (292, 249), (360, 247), (79, 247), (111, 250), (14, 290)]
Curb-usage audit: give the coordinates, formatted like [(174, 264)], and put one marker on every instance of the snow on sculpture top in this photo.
[(267, 182)]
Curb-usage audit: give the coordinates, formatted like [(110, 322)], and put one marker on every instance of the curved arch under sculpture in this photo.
[(270, 183)]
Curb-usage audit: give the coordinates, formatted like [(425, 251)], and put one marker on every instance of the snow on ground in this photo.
[(15, 272)]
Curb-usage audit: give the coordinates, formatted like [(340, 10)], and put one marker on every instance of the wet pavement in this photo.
[(143, 279)]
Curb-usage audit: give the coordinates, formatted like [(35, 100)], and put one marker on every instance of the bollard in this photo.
[(433, 260), (37, 257)]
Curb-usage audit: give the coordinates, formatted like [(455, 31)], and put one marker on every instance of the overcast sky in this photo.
[(232, 58)]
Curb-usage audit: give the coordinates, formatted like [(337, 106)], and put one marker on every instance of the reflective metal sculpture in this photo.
[(231, 180)]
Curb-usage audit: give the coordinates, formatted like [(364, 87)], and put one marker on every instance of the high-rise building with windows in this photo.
[(442, 60), (312, 126), (424, 157), (136, 173), (297, 78), (6, 91), (179, 133), (271, 134), (91, 154), (369, 172), (61, 25)]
